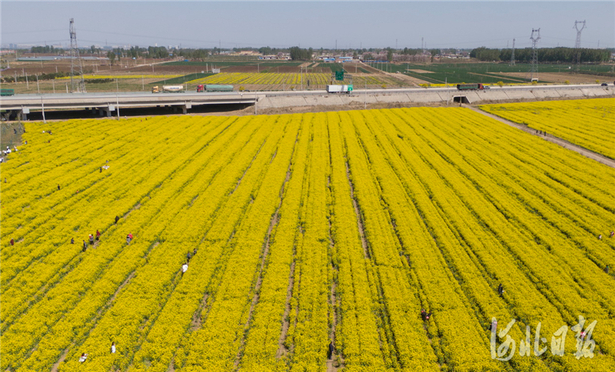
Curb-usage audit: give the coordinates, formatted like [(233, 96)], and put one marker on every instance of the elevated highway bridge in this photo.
[(111, 104)]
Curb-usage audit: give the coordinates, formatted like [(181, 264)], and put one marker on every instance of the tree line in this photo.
[(559, 54)]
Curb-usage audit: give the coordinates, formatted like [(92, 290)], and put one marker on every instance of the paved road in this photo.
[(558, 141)]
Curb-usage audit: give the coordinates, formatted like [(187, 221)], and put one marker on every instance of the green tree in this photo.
[(434, 52), (298, 54), (111, 57)]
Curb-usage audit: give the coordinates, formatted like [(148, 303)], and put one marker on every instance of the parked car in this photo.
[(604, 84)]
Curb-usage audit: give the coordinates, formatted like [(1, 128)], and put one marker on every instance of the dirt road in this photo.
[(558, 141)]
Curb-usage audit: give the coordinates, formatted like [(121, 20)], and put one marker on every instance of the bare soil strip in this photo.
[(197, 321), (249, 166), (273, 223), (333, 304), (549, 137), (358, 213), (282, 349), (57, 364), (98, 316)]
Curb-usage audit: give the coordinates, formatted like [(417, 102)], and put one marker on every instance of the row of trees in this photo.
[(193, 54), (559, 54)]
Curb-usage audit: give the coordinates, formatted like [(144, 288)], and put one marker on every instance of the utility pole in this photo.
[(512, 55), (534, 39), (74, 54), (577, 45)]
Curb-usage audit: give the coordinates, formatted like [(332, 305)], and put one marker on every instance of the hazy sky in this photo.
[(462, 24)]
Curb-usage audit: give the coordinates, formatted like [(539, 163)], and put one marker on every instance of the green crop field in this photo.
[(480, 72)]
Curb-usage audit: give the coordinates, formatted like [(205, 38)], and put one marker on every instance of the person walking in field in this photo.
[(91, 239), (425, 315), (83, 357), (72, 240), (85, 246), (97, 235), (117, 218), (113, 348), (12, 241), (128, 238), (184, 268), (612, 234), (500, 289), (330, 351), (600, 237)]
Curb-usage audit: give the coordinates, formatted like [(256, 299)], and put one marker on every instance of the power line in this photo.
[(30, 32)]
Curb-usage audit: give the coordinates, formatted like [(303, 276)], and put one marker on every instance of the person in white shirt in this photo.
[(83, 357), (184, 268), (113, 348)]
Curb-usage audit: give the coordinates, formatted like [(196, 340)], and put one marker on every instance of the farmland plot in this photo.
[(588, 123), (303, 231)]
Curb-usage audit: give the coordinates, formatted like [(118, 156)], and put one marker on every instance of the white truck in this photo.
[(339, 89), (168, 89)]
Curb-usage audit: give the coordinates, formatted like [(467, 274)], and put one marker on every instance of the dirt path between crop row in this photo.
[(549, 137), (557, 77)]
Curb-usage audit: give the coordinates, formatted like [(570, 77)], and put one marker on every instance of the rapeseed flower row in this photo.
[(589, 123), (309, 230)]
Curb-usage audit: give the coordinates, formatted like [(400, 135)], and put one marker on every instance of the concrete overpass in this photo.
[(107, 104), (110, 104)]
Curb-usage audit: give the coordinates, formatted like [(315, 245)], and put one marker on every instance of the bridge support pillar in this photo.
[(106, 111), (185, 107)]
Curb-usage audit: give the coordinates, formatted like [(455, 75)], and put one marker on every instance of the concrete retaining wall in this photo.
[(435, 96)]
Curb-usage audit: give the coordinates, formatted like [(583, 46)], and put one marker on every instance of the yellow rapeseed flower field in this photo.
[(304, 235), (294, 79), (589, 123)]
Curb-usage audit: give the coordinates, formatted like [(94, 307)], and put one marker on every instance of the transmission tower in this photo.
[(534, 39), (512, 55), (577, 45), (74, 58)]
